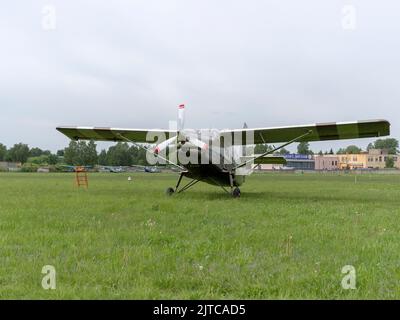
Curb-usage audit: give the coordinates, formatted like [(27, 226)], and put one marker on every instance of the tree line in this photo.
[(390, 144), (76, 154), (82, 153), (121, 154)]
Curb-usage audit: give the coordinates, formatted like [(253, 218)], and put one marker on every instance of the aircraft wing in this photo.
[(110, 134), (318, 132)]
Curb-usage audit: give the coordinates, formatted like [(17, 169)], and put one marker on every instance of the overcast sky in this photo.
[(130, 63)]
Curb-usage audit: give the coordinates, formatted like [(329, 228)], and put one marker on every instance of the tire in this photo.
[(169, 192), (236, 193)]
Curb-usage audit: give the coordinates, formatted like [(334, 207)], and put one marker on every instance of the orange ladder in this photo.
[(81, 177)]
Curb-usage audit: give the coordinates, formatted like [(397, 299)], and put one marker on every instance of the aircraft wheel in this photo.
[(170, 191), (236, 193)]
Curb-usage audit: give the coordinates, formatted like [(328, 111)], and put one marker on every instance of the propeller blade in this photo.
[(163, 145), (198, 143)]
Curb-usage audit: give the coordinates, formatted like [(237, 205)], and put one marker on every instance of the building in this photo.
[(353, 161), (377, 159), (300, 161), (373, 159), (327, 162), (306, 162), (10, 166)]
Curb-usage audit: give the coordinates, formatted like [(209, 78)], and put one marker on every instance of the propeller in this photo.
[(181, 137)]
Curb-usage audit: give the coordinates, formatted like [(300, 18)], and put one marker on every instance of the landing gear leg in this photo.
[(235, 191), (179, 182), (170, 191)]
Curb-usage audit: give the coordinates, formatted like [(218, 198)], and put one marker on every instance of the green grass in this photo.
[(287, 237)]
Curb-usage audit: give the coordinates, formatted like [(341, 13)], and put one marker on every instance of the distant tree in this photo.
[(283, 152), (89, 153), (18, 153), (47, 152), (71, 156), (3, 152), (41, 160), (331, 151), (35, 152), (134, 152), (352, 149), (81, 153), (119, 155), (304, 148), (320, 153), (103, 158), (44, 159), (262, 148), (138, 156), (389, 163), (370, 146), (52, 159), (60, 153), (8, 156), (141, 157), (390, 143)]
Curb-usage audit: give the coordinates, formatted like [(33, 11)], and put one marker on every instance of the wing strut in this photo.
[(274, 150), (152, 152)]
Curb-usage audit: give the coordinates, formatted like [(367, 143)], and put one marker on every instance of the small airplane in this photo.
[(68, 168), (224, 157), (112, 169), (151, 169)]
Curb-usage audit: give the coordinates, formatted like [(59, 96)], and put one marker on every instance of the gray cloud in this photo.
[(130, 63)]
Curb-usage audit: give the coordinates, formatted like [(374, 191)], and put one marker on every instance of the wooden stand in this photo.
[(81, 177)]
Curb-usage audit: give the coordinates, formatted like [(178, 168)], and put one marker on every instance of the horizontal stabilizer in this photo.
[(265, 159)]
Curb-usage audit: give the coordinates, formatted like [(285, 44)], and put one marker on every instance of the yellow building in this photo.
[(353, 161), (377, 159), (373, 159)]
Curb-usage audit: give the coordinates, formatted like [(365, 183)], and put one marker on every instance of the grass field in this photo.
[(287, 237)]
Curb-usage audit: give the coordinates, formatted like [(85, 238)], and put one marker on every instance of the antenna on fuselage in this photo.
[(181, 117)]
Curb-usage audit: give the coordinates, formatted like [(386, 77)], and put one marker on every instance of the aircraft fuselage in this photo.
[(219, 174)]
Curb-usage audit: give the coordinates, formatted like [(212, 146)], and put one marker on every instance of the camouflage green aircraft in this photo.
[(223, 157)]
